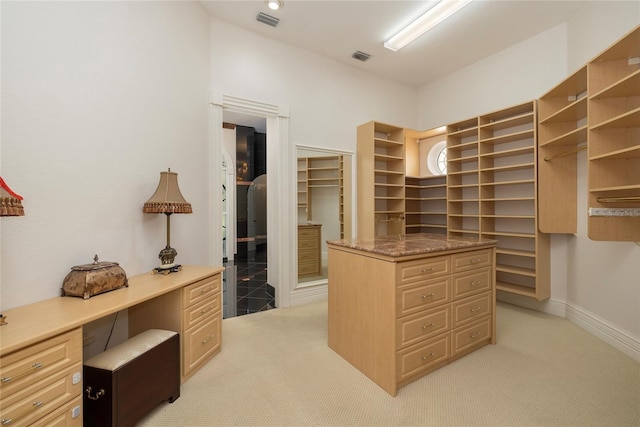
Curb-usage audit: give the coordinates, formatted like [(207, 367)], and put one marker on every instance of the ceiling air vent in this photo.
[(267, 19), (361, 56)]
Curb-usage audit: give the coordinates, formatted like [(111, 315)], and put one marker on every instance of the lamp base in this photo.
[(166, 269)]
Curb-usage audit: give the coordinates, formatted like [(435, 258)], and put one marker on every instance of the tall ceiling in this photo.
[(337, 29)]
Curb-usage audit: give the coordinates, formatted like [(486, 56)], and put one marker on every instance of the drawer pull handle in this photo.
[(33, 367), (428, 326), (428, 295), (475, 282), (475, 334), (475, 309), (427, 356), (206, 340), (206, 309), (34, 406), (98, 394), (426, 270)]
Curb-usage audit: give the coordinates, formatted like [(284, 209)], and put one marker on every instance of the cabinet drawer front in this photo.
[(63, 416), (470, 260), (308, 234), (199, 312), (308, 243), (32, 403), (469, 336), (308, 255), (423, 325), (200, 343), (308, 268), (412, 271), (200, 290), (411, 299), (25, 367), (422, 356), (473, 282), (468, 309)]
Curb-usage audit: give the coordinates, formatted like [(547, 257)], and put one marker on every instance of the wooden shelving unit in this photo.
[(303, 191), (463, 189), (381, 172), (562, 133), (316, 173), (492, 193), (614, 141), (426, 204)]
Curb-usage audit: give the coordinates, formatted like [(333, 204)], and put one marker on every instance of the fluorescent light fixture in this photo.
[(431, 18)]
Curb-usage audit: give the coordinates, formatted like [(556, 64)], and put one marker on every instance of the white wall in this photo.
[(597, 280), (97, 99)]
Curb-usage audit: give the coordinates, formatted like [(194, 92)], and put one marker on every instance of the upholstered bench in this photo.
[(126, 382)]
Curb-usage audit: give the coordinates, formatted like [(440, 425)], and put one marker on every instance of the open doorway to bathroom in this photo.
[(245, 286)]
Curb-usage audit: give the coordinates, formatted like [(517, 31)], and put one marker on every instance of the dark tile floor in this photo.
[(245, 289)]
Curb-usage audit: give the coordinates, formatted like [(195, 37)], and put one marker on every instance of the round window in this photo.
[(437, 158)]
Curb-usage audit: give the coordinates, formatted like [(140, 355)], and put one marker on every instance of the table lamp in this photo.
[(167, 200)]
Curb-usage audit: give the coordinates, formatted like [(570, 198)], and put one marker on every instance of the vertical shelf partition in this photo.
[(381, 173), (463, 193), (614, 141)]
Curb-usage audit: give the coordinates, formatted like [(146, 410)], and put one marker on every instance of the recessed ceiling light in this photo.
[(431, 18), (274, 4)]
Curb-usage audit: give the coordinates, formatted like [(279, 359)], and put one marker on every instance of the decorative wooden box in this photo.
[(93, 279)]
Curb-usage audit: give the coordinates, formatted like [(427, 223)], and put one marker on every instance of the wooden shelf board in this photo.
[(515, 182), (515, 289), (618, 189), (625, 153), (625, 87), (509, 168), (627, 120), (508, 122), (571, 138), (510, 199), (386, 143), (507, 153), (387, 172), (506, 234), (502, 139), (379, 158), (573, 112), (520, 271), (515, 252), (509, 216)]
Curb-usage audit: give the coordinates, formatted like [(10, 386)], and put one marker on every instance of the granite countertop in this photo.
[(411, 244)]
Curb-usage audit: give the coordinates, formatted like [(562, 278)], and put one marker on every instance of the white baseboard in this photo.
[(607, 332), (308, 294)]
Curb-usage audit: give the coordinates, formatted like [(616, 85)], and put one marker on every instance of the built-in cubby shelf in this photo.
[(614, 140)]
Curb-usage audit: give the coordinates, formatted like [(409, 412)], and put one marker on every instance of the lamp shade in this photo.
[(167, 199), (10, 202)]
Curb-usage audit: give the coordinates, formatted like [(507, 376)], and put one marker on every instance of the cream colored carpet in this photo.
[(275, 369)]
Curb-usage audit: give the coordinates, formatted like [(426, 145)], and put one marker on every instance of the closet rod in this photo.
[(566, 153), (618, 199)]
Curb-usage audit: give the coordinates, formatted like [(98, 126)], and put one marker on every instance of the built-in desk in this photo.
[(41, 345), (402, 306)]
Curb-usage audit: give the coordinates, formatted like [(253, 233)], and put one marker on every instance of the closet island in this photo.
[(402, 306)]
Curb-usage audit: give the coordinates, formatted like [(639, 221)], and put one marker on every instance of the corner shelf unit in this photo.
[(426, 204), (492, 193), (562, 133), (381, 171), (614, 141)]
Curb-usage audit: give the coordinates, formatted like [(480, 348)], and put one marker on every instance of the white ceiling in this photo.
[(336, 29)]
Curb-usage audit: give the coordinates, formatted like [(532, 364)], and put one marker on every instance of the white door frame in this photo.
[(281, 203)]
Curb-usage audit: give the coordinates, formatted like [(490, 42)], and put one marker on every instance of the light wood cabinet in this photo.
[(399, 318), (194, 312), (492, 193), (614, 141), (43, 382), (380, 186), (309, 252), (562, 133)]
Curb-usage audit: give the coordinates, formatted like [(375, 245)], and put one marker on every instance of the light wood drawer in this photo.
[(200, 343), (423, 356), (471, 260), (308, 255), (25, 367), (63, 416), (471, 308), (308, 268), (200, 290), (199, 312), (472, 282), (429, 293), (308, 233), (308, 243), (411, 271), (29, 404), (471, 335), (420, 326)]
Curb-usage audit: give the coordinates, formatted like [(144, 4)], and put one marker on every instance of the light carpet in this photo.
[(275, 369)]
